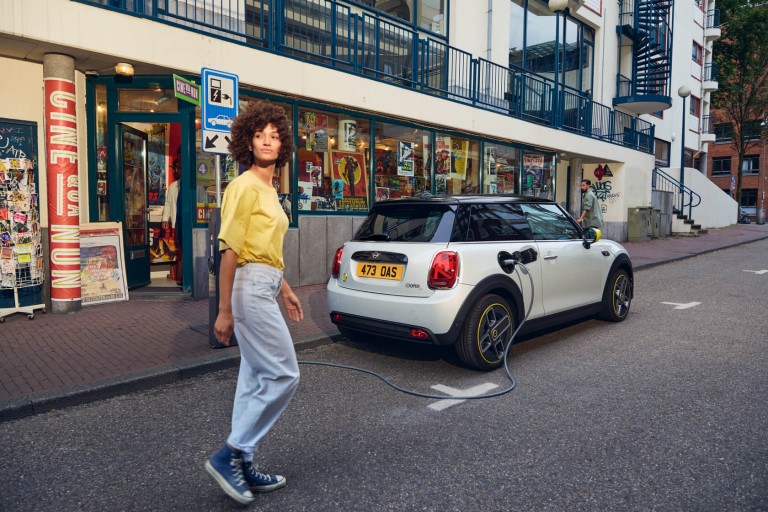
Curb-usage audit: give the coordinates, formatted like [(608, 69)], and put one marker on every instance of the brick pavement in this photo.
[(59, 360)]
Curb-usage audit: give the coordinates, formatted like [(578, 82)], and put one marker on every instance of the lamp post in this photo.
[(557, 6), (684, 91)]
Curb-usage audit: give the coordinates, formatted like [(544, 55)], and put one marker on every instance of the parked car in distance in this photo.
[(441, 270)]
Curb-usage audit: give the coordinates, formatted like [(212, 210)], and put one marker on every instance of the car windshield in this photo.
[(408, 223)]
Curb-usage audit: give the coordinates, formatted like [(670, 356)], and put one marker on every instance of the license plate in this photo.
[(380, 271)]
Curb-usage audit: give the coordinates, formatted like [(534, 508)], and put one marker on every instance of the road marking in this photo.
[(475, 390), (682, 306), (759, 272)]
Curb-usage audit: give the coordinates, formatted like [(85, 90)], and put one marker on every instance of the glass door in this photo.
[(133, 160)]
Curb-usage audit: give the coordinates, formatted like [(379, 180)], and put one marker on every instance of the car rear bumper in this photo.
[(395, 316)]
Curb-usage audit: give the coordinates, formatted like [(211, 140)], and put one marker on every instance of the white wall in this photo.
[(717, 209)]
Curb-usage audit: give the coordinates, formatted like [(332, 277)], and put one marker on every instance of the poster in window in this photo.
[(459, 149), (442, 154), (316, 131), (102, 267), (533, 166), (349, 175), (405, 158), (348, 135)]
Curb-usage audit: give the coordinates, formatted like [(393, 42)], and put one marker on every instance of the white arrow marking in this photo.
[(682, 306), (444, 404), (758, 272)]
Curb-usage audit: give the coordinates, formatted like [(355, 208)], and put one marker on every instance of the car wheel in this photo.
[(488, 329), (617, 297)]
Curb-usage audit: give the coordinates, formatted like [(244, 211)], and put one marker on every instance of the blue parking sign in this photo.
[(220, 99)]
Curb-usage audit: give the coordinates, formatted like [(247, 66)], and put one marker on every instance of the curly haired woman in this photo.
[(253, 225)]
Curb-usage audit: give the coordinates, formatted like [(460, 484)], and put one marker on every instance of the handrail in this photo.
[(681, 194), (331, 33)]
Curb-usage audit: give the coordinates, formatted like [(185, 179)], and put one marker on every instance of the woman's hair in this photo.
[(256, 117)]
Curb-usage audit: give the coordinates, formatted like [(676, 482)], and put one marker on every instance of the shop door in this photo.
[(133, 161)]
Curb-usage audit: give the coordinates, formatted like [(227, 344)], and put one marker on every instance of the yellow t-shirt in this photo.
[(253, 223)]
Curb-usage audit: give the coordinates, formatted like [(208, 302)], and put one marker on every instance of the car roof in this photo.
[(427, 198)]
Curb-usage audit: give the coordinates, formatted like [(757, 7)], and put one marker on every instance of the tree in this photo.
[(741, 56)]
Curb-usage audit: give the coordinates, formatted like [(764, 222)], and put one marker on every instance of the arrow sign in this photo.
[(216, 142), (682, 306), (444, 404), (758, 272)]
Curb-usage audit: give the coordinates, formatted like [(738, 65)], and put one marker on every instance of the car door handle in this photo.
[(550, 257)]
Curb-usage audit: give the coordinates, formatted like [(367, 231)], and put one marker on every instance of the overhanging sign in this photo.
[(186, 90)]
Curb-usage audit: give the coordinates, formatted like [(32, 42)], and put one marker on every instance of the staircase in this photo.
[(652, 55), (683, 200)]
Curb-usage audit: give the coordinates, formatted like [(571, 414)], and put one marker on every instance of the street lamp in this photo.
[(684, 91), (557, 6)]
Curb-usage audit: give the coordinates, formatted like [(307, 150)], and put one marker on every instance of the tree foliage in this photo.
[(741, 56)]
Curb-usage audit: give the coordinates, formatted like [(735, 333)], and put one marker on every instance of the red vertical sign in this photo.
[(63, 190)]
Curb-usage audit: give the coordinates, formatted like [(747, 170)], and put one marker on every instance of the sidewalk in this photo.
[(56, 361)]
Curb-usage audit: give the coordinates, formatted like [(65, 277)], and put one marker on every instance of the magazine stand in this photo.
[(21, 254)]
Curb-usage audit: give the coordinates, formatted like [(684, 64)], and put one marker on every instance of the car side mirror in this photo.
[(591, 235)]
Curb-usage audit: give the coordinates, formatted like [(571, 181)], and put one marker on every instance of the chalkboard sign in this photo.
[(18, 139)]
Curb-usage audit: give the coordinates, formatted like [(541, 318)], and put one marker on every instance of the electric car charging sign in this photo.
[(219, 108)]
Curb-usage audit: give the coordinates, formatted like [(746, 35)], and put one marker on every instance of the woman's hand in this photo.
[(224, 327), (292, 303)]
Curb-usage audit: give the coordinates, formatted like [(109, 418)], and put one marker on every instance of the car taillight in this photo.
[(444, 271), (336, 266)]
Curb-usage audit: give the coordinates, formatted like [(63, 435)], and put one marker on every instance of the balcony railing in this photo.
[(330, 33), (708, 124), (713, 18), (710, 72)]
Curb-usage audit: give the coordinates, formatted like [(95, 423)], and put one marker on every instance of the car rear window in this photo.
[(408, 223)]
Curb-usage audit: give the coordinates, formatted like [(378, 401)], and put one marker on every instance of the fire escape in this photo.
[(645, 56)]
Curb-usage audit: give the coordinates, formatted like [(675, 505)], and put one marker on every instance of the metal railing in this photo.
[(710, 72), (682, 197), (708, 124), (713, 18), (331, 33)]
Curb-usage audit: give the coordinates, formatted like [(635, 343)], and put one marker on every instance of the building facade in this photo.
[(388, 98)]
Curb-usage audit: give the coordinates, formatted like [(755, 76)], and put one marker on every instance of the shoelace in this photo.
[(237, 468), (256, 474)]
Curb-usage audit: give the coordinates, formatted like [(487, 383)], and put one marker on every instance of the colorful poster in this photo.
[(459, 151), (311, 171), (316, 131), (349, 168), (533, 167), (442, 154), (63, 188), (405, 158), (102, 267)]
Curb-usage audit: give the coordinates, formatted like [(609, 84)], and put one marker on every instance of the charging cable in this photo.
[(517, 263)]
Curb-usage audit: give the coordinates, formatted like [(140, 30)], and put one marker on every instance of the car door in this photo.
[(571, 274)]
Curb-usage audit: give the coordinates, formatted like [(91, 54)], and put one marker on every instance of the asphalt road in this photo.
[(665, 411)]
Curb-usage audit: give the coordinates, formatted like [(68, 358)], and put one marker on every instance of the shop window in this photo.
[(157, 99), (721, 166), (102, 197), (402, 158), (537, 175), (334, 162), (502, 169), (456, 165)]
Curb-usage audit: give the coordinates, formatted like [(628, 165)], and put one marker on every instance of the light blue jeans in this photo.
[(269, 373)]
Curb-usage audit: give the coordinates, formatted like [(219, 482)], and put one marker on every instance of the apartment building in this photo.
[(389, 98)]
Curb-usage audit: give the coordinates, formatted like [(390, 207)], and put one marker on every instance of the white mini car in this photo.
[(447, 270)]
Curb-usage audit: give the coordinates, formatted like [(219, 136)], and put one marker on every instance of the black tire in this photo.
[(617, 297), (485, 336)]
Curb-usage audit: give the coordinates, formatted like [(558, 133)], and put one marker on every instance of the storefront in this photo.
[(142, 138)]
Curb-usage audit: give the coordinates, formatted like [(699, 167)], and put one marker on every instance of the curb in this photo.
[(42, 403)]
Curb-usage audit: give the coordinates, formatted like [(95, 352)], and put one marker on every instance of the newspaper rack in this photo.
[(21, 254)]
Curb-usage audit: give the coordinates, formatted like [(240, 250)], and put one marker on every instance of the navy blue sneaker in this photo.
[(226, 467), (261, 482)]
